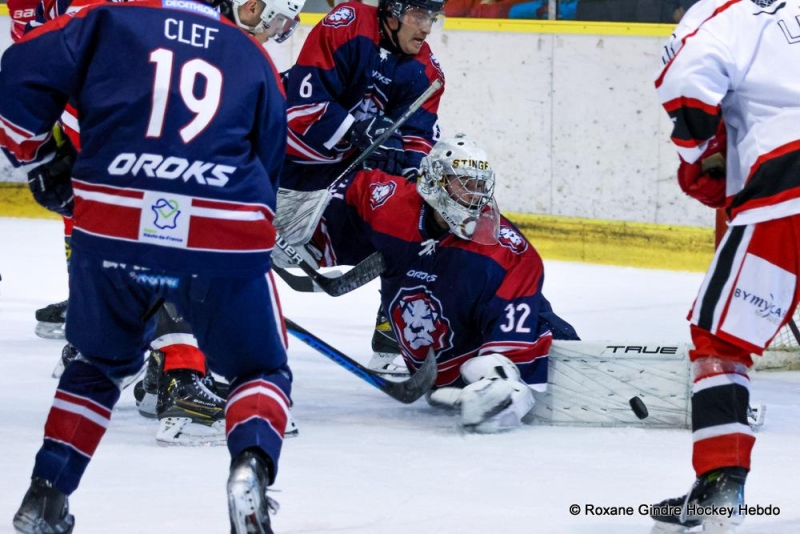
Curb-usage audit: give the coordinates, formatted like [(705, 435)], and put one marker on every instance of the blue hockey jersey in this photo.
[(346, 73), (183, 131), (458, 297)]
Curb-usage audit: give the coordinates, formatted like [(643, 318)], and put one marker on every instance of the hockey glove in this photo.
[(704, 180), (494, 400), (388, 157), (51, 182)]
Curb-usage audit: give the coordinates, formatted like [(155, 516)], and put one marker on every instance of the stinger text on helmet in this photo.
[(458, 182)]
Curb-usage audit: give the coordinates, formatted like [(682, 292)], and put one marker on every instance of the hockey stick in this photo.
[(415, 105), (406, 391), (368, 269), (334, 286)]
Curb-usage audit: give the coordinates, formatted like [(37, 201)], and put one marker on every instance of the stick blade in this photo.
[(417, 385)]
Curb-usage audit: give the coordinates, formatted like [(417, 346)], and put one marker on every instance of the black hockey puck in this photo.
[(638, 407)]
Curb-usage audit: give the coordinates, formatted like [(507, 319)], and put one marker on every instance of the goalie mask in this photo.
[(280, 16), (457, 181)]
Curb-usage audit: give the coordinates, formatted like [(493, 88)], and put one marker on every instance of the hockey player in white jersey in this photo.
[(737, 61)]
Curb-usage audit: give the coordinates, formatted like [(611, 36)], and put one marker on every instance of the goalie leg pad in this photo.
[(495, 405), (483, 366)]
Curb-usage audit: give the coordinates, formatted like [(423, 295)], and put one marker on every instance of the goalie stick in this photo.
[(315, 203), (334, 286), (406, 391)]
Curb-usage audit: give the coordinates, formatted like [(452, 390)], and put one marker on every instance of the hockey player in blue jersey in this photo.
[(460, 280), (178, 390), (174, 193), (359, 69)]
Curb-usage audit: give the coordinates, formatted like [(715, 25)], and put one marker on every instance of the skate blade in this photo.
[(291, 428), (247, 510), (50, 330), (181, 431), (670, 528), (755, 415), (147, 408), (59, 369), (25, 524)]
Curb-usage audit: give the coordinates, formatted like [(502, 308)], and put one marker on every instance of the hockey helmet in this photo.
[(457, 181), (397, 8), (283, 14)]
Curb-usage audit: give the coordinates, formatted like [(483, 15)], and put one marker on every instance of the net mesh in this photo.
[(786, 340)]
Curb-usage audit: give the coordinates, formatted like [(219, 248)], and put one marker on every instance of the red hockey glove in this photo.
[(704, 180)]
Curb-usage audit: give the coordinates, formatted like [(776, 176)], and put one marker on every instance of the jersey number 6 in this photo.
[(204, 108)]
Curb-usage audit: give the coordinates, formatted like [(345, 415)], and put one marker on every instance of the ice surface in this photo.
[(366, 464)]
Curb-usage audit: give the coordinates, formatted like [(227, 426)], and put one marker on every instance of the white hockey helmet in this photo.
[(281, 14), (457, 181)]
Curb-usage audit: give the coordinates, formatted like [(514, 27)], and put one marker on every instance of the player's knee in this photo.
[(708, 345)]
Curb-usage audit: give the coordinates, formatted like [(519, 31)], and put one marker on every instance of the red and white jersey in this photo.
[(740, 60)]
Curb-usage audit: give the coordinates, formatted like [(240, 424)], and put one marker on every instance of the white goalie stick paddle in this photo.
[(406, 391)]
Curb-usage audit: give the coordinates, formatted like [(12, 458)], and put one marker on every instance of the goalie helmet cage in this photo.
[(784, 351)]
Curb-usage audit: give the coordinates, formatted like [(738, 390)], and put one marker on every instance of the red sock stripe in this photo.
[(180, 356), (258, 399), (728, 450), (77, 422)]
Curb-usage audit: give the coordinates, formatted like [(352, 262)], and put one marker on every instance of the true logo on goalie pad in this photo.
[(640, 349)]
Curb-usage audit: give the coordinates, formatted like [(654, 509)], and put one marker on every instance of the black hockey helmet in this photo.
[(396, 8)]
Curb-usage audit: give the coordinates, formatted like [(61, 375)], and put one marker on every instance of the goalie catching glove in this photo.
[(388, 156), (495, 399), (51, 182)]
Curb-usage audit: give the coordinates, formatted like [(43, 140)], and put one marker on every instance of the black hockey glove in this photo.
[(51, 182), (388, 157)]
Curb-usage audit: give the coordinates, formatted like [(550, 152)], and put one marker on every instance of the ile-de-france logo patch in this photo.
[(512, 239), (418, 318), (381, 192), (166, 212), (342, 16)]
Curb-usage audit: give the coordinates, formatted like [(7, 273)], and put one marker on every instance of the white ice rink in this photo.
[(365, 464)]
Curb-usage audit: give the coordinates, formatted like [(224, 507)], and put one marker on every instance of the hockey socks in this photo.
[(75, 425), (256, 415)]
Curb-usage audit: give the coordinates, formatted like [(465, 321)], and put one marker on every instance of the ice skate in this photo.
[(68, 354), (146, 390), (44, 510), (188, 412), (386, 358), (712, 505), (248, 504), (50, 321)]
